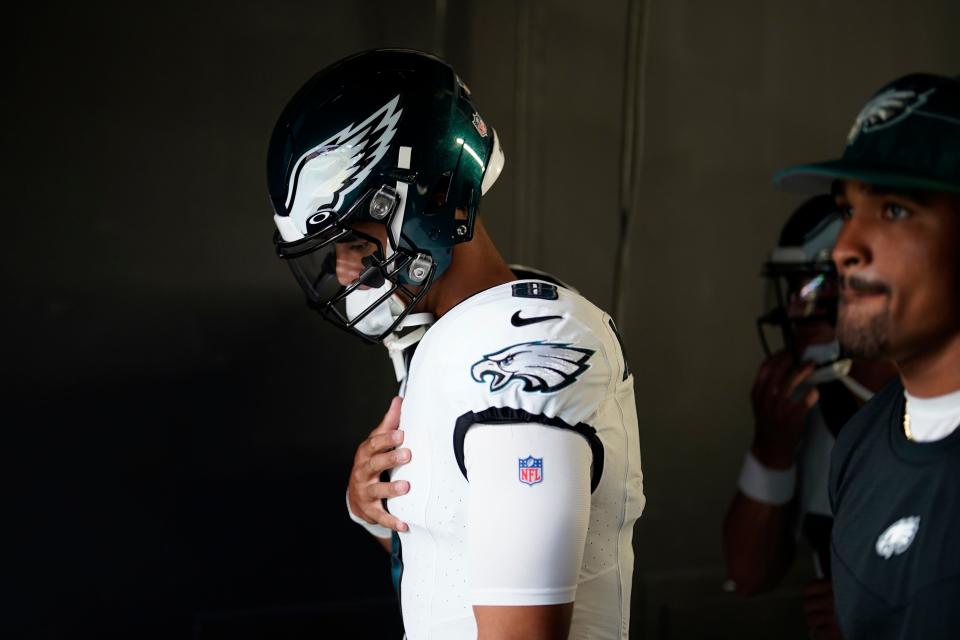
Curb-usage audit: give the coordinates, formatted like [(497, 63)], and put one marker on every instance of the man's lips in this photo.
[(853, 288)]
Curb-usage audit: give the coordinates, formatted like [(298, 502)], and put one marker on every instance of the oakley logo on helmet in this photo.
[(323, 175), (319, 218), (886, 109), (539, 366)]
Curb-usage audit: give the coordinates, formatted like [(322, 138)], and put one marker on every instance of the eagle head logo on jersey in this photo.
[(538, 366), (888, 108)]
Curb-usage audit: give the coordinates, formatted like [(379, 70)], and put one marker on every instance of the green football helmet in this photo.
[(389, 137)]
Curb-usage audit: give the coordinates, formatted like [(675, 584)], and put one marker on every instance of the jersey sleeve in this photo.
[(547, 362), (528, 512)]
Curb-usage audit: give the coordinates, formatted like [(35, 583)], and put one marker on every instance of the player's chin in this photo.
[(864, 334)]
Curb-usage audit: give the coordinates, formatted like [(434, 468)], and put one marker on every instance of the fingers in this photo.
[(769, 369), (384, 490), (381, 462), (811, 398), (381, 442), (392, 522), (376, 454), (376, 514), (797, 377), (391, 419)]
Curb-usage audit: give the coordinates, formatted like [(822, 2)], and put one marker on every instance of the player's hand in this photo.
[(818, 611), (779, 408), (376, 454)]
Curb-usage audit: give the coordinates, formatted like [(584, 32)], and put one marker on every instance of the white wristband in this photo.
[(374, 529), (763, 484)]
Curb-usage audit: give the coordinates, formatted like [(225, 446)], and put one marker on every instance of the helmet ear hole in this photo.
[(441, 189)]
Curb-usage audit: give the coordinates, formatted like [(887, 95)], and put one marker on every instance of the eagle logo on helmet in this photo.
[(326, 173), (886, 109), (539, 366)]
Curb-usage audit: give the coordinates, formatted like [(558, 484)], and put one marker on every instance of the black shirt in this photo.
[(896, 534)]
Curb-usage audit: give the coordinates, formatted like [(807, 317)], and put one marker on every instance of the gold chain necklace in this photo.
[(906, 425)]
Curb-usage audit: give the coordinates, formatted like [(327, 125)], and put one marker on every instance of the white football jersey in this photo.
[(540, 370)]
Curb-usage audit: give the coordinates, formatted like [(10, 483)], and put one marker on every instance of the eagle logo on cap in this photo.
[(886, 109), (538, 366)]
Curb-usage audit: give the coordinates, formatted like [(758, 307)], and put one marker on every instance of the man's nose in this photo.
[(852, 248)]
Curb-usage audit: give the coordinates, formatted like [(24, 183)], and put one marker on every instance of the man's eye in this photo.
[(894, 211), (359, 246), (846, 212)]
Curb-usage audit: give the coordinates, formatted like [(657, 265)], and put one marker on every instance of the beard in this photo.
[(864, 335)]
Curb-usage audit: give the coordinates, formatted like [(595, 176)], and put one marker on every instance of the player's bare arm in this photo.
[(547, 622)]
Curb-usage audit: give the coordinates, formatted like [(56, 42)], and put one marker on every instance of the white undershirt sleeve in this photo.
[(526, 529)]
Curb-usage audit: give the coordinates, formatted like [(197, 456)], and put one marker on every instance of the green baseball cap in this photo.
[(907, 136)]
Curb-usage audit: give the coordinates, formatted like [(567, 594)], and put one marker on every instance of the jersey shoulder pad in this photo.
[(542, 353)]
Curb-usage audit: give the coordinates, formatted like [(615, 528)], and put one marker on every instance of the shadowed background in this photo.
[(180, 427)]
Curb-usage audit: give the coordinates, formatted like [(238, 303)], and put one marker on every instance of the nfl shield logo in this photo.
[(531, 470), (479, 125)]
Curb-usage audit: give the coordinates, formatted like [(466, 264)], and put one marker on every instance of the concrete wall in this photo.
[(183, 426)]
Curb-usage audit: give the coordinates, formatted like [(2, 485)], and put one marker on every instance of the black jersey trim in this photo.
[(623, 350), (508, 415)]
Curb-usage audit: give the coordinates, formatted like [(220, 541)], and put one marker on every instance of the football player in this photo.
[(513, 512), (803, 394)]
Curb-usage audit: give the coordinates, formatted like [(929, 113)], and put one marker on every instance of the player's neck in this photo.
[(934, 373), (476, 266)]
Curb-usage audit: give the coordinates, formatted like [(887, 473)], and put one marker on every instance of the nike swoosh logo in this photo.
[(517, 321)]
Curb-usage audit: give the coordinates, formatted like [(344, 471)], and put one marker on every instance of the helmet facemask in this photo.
[(391, 279), (388, 137), (803, 292), (800, 297)]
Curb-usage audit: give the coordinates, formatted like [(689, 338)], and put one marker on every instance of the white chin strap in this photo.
[(396, 344)]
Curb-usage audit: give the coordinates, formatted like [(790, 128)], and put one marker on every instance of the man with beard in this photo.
[(802, 395), (895, 473)]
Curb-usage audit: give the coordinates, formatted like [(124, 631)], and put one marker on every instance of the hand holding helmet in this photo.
[(780, 400)]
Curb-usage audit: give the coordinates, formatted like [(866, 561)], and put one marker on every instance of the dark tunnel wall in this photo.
[(180, 425)]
